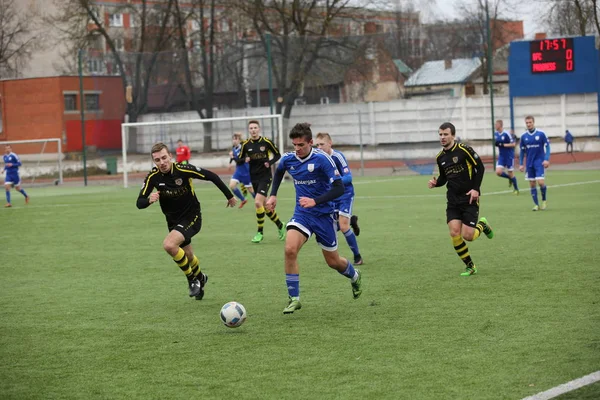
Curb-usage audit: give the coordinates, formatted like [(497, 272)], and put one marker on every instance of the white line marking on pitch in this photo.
[(566, 387)]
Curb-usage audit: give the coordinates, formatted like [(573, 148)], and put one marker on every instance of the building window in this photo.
[(95, 66), (132, 22), (70, 102), (119, 46), (224, 25), (115, 20), (92, 102)]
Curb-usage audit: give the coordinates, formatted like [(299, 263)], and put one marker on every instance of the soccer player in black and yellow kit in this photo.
[(261, 153), (462, 170), (175, 193)]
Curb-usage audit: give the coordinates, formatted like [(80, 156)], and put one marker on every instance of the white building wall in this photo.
[(401, 122)]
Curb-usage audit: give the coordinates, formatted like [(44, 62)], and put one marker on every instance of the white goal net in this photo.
[(208, 139), (41, 160)]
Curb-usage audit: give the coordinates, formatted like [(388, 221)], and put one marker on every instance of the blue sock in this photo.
[(25, 194), (238, 194), (504, 175), (534, 195), (350, 271), (351, 240), (293, 284), (543, 190), (8, 196), (514, 182)]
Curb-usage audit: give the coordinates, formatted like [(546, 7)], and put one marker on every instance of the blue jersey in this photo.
[(535, 146), (342, 165), (506, 138), (312, 176), (13, 159), (245, 167)]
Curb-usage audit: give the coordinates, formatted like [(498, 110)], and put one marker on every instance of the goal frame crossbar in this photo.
[(125, 125), (59, 148)]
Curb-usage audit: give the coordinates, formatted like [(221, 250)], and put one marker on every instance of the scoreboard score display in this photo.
[(552, 55)]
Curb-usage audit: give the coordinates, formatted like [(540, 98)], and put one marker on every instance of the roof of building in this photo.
[(435, 73)]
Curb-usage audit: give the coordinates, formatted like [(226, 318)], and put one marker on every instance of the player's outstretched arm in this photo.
[(146, 197)]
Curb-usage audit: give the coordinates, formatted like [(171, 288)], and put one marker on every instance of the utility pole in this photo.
[(490, 75)]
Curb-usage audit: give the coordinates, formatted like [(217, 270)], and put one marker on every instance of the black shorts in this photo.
[(261, 185), (465, 212), (188, 227)]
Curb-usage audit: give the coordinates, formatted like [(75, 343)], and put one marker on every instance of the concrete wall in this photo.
[(413, 121)]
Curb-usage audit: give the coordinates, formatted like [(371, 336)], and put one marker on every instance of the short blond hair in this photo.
[(158, 147), (322, 135)]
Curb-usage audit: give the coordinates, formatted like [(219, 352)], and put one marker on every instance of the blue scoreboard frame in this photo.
[(553, 67)]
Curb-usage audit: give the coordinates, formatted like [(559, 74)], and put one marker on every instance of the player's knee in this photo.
[(499, 172), (291, 252), (344, 225), (170, 247), (468, 236)]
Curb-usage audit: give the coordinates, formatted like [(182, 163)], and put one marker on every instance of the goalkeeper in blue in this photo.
[(317, 183), (506, 155), (535, 148), (12, 178), (343, 204)]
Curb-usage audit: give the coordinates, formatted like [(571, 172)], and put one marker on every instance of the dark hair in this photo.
[(253, 121), (530, 117), (448, 125), (301, 130)]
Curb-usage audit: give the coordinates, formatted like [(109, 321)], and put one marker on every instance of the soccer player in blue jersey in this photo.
[(241, 175), (317, 183), (535, 147), (506, 155), (461, 170), (343, 204), (12, 178)]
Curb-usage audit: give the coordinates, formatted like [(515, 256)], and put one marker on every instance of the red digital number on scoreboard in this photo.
[(552, 55)]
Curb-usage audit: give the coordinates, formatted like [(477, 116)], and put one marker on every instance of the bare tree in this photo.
[(83, 27), (572, 17), (18, 37), (468, 37), (298, 35), (206, 43)]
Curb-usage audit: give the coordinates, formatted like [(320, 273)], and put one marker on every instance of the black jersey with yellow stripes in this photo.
[(462, 169), (259, 151), (177, 197)]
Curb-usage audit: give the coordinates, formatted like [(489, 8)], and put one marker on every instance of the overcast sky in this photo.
[(527, 11)]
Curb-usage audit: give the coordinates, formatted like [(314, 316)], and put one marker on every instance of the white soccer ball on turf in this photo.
[(233, 314)]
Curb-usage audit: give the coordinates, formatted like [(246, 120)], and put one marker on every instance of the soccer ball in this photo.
[(233, 314)]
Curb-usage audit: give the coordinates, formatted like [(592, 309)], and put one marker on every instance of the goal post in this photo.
[(41, 159), (149, 132)]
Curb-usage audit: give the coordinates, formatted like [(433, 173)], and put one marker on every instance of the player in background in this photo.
[(343, 204), (183, 153), (535, 147), (506, 155), (178, 202), (461, 170), (241, 175), (261, 154), (317, 183), (11, 177)]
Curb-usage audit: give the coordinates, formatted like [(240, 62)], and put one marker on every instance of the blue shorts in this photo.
[(534, 173), (324, 227), (242, 175), (505, 162), (343, 205), (12, 178)]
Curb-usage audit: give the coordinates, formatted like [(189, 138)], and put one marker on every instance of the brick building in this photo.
[(44, 108)]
